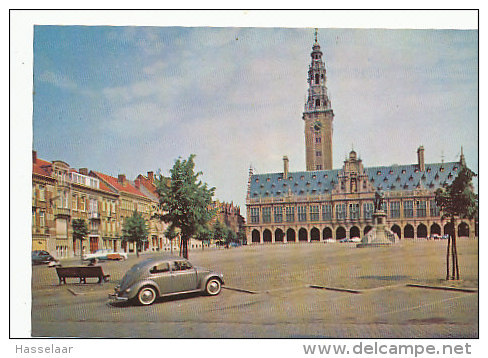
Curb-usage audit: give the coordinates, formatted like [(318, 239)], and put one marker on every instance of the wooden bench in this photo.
[(81, 272)]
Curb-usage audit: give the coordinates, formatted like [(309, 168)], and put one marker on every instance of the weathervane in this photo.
[(316, 35)]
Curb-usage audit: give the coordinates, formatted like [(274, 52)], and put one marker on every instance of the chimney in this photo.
[(121, 179), (150, 176), (285, 167), (420, 157), (34, 156), (137, 183), (83, 171)]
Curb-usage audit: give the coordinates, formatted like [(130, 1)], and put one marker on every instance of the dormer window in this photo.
[(267, 179), (302, 177), (378, 172), (317, 103), (257, 180), (403, 171), (428, 170)]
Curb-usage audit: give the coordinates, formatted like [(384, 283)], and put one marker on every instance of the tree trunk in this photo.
[(453, 249), (447, 257), (136, 244), (184, 247)]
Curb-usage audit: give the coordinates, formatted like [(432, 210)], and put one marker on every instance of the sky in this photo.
[(128, 100)]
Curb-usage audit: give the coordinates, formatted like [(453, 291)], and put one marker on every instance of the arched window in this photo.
[(317, 103)]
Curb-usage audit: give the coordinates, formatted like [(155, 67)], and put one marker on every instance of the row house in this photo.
[(43, 192), (130, 199)]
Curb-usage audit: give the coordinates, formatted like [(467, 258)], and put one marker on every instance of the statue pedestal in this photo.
[(379, 235)]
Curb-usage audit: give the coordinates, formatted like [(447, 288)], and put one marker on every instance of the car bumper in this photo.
[(115, 297)]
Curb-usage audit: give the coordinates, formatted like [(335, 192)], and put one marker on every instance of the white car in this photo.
[(330, 241), (356, 239), (105, 254)]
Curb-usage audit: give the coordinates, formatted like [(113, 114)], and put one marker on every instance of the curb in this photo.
[(240, 290), (336, 289), (445, 288)]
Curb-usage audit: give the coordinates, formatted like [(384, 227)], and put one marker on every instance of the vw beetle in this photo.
[(165, 276)]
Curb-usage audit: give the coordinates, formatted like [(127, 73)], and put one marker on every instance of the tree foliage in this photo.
[(184, 200), (458, 199), (223, 234), (135, 230)]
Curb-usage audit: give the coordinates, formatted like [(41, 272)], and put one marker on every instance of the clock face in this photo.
[(317, 125)]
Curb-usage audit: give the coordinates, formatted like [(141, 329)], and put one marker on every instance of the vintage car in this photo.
[(40, 257), (165, 276), (105, 254)]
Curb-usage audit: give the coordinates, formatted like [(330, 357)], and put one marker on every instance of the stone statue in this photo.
[(379, 200)]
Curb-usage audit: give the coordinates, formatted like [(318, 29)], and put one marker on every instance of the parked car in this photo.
[(105, 254), (166, 276), (346, 239), (356, 239), (329, 241), (40, 257)]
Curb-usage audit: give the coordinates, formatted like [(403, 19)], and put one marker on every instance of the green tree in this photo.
[(80, 230), (457, 201), (184, 200), (219, 232), (241, 236), (135, 230)]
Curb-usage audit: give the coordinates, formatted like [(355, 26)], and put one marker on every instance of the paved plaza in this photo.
[(281, 291)]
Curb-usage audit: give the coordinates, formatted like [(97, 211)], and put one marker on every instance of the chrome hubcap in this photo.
[(213, 286), (147, 296)]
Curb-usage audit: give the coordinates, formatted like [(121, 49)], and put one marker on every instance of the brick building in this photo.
[(323, 203), (61, 193)]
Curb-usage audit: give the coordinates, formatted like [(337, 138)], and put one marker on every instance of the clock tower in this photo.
[(318, 115)]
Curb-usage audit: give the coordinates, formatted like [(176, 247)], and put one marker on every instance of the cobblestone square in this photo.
[(356, 293)]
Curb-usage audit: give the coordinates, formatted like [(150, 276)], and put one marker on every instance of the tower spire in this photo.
[(318, 114), (462, 160)]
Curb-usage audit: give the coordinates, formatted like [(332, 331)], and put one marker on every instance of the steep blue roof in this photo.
[(320, 182)]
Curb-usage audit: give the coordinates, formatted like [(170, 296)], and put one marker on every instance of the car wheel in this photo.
[(146, 296), (213, 287)]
